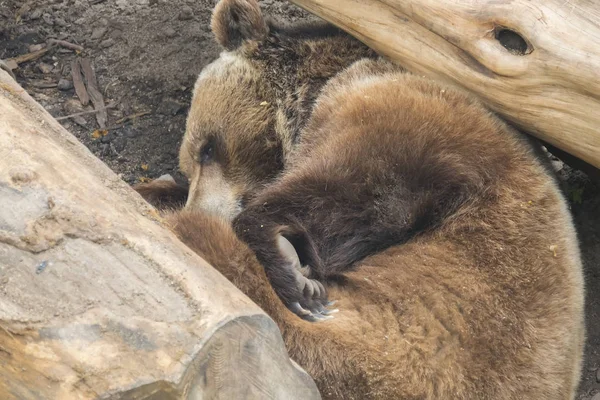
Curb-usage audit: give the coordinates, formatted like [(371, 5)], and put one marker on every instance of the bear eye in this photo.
[(207, 152)]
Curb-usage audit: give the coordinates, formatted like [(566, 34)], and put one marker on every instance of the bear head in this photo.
[(250, 105)]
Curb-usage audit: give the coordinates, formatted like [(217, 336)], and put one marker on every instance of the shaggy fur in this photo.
[(250, 105), (448, 246), (452, 239)]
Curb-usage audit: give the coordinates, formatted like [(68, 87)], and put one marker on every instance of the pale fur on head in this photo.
[(210, 191)]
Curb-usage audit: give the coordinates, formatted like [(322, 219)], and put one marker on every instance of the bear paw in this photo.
[(309, 299)]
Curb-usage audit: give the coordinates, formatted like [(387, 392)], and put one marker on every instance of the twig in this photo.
[(132, 116), (110, 105), (64, 43), (114, 127), (44, 85), (34, 55)]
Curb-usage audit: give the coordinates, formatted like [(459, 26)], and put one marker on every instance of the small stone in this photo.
[(45, 68), (80, 21), (35, 47), (170, 32), (97, 33), (64, 84), (108, 137), (120, 143), (36, 14), (596, 396), (107, 43), (73, 106), (132, 134), (166, 177), (153, 2), (186, 13), (130, 178), (79, 120), (60, 22)]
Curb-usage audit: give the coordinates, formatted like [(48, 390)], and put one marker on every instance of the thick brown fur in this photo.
[(446, 242), (452, 237), (488, 306)]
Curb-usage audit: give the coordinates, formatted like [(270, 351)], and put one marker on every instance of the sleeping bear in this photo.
[(320, 175)]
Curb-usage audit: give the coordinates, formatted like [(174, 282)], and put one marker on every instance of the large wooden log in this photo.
[(536, 63), (98, 300)]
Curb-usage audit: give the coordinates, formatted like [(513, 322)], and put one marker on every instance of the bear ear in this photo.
[(236, 21)]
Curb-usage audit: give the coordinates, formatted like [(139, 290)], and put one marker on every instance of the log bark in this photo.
[(536, 63), (98, 300)]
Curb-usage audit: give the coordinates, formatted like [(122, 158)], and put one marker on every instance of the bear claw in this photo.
[(319, 313)]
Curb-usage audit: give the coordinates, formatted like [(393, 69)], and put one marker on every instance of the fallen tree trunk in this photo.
[(98, 300), (536, 63)]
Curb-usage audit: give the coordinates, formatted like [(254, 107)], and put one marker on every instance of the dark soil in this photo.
[(147, 54)]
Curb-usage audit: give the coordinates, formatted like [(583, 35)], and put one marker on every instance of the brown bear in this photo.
[(445, 241), (263, 85)]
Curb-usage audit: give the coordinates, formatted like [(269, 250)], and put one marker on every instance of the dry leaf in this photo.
[(145, 167), (264, 103), (144, 179), (99, 133)]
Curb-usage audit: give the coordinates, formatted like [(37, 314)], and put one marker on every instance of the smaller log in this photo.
[(534, 62)]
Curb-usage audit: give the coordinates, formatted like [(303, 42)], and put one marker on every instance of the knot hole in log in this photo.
[(512, 41)]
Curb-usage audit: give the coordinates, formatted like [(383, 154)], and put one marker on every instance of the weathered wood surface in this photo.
[(549, 88), (98, 300)]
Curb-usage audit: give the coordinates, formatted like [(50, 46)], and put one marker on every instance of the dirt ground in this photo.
[(146, 55)]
